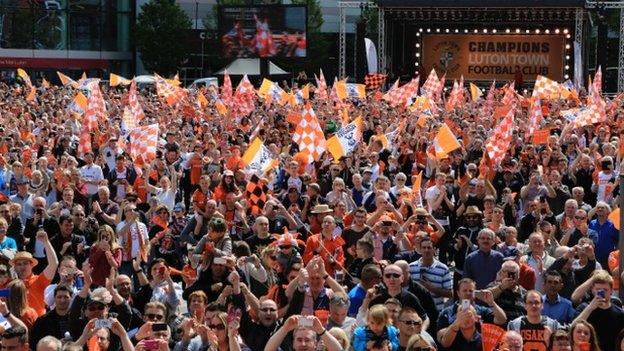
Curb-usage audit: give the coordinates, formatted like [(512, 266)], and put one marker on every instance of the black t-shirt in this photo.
[(254, 242), (608, 323), (406, 298)]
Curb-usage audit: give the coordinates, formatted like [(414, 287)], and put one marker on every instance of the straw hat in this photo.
[(24, 255), (321, 209)]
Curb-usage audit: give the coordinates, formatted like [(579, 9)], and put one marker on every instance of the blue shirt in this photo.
[(8, 243), (607, 239), (560, 310), (356, 296), (482, 267)]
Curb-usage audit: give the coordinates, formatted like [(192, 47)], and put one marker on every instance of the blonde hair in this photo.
[(113, 236), (601, 276), (341, 336), (379, 314)]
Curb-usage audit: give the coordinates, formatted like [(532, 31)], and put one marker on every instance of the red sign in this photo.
[(56, 63)]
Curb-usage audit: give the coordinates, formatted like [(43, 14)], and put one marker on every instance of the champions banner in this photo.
[(494, 56)]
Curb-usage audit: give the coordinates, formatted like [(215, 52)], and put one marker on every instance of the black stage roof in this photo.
[(482, 3)]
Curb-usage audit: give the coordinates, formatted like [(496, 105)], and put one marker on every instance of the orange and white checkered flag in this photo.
[(510, 94), (172, 94), (432, 85), (594, 112), (535, 117), (96, 107), (309, 135), (401, 96), (321, 87), (84, 144), (226, 89), (143, 143), (243, 102), (545, 88), (498, 143)]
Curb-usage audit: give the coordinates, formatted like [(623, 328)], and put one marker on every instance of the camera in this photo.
[(421, 219), (605, 164), (381, 288)]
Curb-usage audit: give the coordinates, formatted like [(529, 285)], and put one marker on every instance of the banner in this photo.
[(494, 56)]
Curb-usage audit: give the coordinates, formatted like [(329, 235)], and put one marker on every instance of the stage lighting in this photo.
[(557, 31), (517, 30), (565, 31), (567, 46), (420, 30), (566, 76), (447, 30), (418, 54), (507, 30), (537, 31), (485, 31), (493, 30), (567, 57), (465, 30), (417, 45), (438, 30), (567, 67), (416, 64), (547, 31), (456, 30)]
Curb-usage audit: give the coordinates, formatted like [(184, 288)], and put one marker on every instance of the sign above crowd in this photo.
[(494, 57)]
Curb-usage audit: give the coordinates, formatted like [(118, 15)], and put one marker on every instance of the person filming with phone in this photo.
[(606, 318)]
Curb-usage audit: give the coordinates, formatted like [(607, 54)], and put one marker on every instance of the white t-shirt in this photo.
[(92, 173), (135, 230)]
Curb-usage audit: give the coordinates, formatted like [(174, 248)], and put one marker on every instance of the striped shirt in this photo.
[(437, 274)]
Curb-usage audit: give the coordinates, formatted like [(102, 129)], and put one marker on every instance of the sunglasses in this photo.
[(412, 322), (157, 317), (216, 326), (285, 247), (268, 310), (392, 275), (579, 217), (96, 307)]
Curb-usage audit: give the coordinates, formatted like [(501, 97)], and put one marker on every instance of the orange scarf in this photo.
[(128, 243)]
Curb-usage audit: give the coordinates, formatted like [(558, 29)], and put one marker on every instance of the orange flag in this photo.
[(490, 336), (614, 216), (541, 136), (416, 187)]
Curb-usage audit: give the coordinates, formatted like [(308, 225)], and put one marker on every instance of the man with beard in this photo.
[(56, 321)]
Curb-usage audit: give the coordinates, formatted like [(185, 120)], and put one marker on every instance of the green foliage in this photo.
[(160, 35)]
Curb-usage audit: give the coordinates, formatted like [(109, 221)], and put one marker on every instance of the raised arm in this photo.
[(50, 270)]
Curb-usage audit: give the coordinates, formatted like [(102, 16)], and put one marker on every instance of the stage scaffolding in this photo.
[(572, 14)]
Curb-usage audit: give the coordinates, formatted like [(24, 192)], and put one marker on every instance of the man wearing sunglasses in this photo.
[(409, 324), (392, 287)]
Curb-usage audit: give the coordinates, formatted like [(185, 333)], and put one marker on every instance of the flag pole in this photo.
[(620, 241)]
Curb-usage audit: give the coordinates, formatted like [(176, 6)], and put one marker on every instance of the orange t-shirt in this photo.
[(29, 317), (196, 166), (614, 262), (235, 163), (200, 198), (35, 286)]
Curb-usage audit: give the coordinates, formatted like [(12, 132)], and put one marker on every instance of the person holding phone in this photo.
[(606, 318)]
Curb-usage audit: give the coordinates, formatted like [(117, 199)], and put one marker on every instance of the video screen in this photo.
[(263, 31)]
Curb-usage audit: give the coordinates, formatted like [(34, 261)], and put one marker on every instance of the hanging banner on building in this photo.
[(494, 56)]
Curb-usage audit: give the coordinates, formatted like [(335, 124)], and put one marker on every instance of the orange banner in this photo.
[(494, 56)]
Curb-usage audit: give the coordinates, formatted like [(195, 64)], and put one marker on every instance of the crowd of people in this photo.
[(387, 248)]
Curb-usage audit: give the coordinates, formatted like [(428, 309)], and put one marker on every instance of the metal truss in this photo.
[(614, 5), (342, 34)]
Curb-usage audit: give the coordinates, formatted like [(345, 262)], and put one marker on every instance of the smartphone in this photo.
[(102, 323), (79, 282), (339, 276), (150, 344), (249, 259), (305, 322), (465, 305), (601, 293), (5, 293), (477, 294), (233, 315), (159, 327), (220, 260)]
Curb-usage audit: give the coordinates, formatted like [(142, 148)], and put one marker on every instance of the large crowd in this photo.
[(393, 246)]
